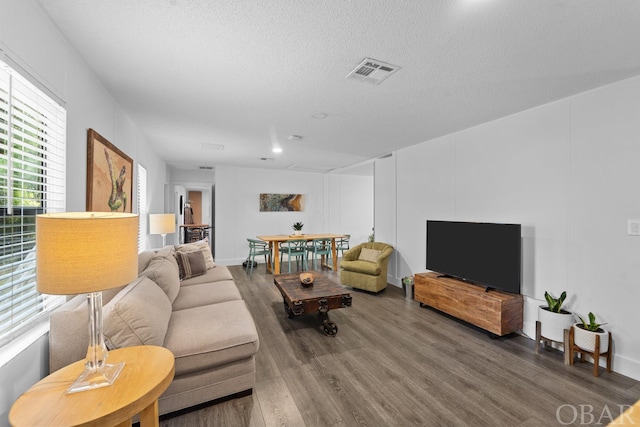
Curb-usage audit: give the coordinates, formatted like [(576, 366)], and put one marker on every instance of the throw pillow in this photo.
[(191, 264), (165, 274), (201, 245), (370, 255), (138, 315)]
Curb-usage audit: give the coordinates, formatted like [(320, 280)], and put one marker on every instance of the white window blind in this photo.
[(142, 208), (32, 181)]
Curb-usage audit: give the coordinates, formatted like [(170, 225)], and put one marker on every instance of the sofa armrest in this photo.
[(364, 267)]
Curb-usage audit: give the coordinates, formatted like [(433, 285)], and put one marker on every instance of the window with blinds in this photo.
[(142, 208), (32, 181)]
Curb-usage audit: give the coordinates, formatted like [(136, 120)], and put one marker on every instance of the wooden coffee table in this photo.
[(320, 297)]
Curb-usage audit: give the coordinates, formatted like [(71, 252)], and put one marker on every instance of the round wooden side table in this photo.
[(147, 373)]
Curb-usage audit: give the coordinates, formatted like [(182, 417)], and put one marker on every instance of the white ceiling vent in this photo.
[(372, 71), (303, 168), (209, 146)]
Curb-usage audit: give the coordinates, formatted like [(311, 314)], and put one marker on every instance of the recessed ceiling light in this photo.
[(319, 115), (276, 150)]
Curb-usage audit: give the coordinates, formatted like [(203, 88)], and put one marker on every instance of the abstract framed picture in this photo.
[(109, 176), (281, 202)]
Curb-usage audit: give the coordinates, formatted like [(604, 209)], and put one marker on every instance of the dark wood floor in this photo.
[(394, 363)]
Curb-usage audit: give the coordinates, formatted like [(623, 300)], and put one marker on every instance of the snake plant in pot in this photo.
[(585, 334), (553, 318), (297, 228)]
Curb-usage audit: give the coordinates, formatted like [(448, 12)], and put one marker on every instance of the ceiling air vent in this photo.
[(303, 168), (372, 71), (206, 168), (209, 146)]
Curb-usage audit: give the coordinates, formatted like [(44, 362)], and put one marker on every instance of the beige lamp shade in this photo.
[(82, 252), (162, 223)]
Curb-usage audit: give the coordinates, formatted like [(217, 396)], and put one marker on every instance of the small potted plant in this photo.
[(584, 334), (553, 319), (407, 285), (297, 228)]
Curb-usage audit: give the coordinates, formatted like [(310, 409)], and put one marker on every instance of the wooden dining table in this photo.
[(274, 246)]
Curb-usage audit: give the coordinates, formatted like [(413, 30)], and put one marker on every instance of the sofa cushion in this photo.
[(200, 245), (165, 274), (145, 257), (370, 255), (169, 252), (68, 324), (205, 294), (225, 333), (359, 266), (191, 264), (138, 315), (109, 294), (217, 274)]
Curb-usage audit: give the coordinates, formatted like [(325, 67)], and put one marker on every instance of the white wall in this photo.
[(30, 41), (333, 203), (566, 171), (386, 220), (349, 206)]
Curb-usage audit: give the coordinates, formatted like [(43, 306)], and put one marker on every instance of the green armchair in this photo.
[(365, 266)]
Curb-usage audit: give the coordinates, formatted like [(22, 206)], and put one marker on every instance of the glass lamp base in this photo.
[(96, 378)]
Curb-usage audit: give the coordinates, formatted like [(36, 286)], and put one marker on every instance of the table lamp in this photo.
[(87, 252), (162, 224)]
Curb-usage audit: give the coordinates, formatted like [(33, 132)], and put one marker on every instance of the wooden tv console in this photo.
[(497, 312)]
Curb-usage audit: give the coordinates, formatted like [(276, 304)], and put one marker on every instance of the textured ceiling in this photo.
[(247, 74)]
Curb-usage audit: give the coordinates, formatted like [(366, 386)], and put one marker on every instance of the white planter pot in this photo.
[(552, 325), (297, 232), (586, 340)]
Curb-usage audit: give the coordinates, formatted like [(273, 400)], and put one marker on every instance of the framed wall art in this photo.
[(109, 176), (281, 202)]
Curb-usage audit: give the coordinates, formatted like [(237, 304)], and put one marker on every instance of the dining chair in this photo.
[(342, 244), (319, 247), (296, 249), (256, 248)]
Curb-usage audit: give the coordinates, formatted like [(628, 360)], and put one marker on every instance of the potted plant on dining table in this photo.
[(297, 228)]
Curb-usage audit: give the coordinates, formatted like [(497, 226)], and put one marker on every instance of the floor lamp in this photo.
[(162, 224), (87, 252)]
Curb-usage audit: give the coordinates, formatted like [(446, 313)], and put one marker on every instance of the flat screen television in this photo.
[(487, 254)]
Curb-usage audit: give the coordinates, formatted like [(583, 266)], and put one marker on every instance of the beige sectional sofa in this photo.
[(201, 318)]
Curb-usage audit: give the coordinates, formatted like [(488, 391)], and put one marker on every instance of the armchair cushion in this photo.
[(370, 255), (365, 267)]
